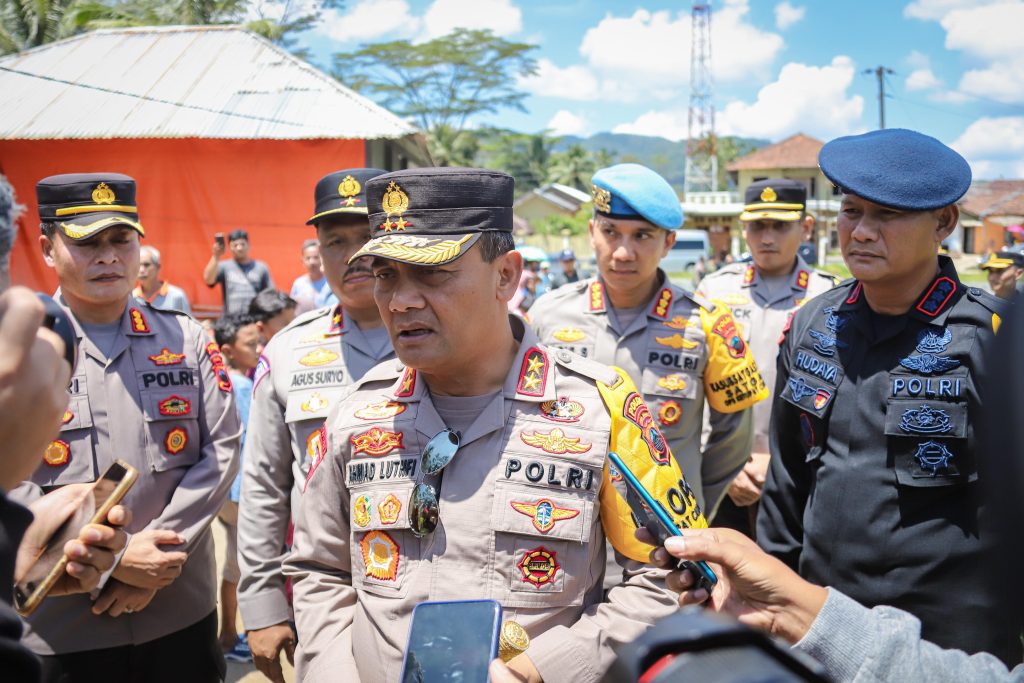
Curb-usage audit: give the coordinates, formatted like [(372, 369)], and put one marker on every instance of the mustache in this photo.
[(360, 269)]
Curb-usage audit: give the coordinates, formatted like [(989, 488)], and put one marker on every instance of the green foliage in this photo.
[(525, 156), (573, 167), (557, 225)]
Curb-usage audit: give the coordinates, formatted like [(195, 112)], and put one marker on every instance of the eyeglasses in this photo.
[(423, 505)]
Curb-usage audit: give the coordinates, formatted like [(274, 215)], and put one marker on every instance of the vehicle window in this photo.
[(688, 245)]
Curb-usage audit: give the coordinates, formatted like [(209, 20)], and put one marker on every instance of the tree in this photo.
[(442, 83), (25, 25), (524, 156), (573, 167)]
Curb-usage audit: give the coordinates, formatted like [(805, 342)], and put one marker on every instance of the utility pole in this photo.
[(701, 145), (880, 72)]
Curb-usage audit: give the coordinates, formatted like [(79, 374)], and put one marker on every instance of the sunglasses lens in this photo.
[(423, 510), (439, 451)]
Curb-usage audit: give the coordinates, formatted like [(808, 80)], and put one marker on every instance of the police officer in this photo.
[(631, 316), (148, 389), (520, 504), (302, 373), (877, 405), (1004, 269), (762, 295)]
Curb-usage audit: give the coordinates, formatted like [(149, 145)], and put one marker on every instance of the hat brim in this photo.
[(996, 264), (417, 249), (770, 214), (349, 210), (83, 227)]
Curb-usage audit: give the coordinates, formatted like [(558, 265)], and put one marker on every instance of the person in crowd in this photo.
[(154, 291), (272, 310), (1004, 269), (700, 270), (240, 277), (525, 294), (567, 273), (311, 289)]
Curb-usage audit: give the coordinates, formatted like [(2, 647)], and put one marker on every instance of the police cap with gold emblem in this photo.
[(774, 199), (342, 192), (634, 191), (431, 216), (83, 204), (1002, 260)]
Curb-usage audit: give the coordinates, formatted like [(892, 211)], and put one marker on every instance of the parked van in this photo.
[(690, 245)]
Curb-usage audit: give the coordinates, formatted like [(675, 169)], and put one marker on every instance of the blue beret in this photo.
[(635, 191), (898, 168)]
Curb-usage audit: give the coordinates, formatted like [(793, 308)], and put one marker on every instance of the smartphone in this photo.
[(452, 642), (651, 514), (108, 491), (218, 237)]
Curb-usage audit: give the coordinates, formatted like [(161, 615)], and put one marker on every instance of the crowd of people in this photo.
[(424, 418)]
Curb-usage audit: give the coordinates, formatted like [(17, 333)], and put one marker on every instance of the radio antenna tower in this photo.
[(701, 146)]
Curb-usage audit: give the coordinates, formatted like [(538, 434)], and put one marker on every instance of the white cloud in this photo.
[(950, 97), (564, 122), (500, 16), (934, 10), (571, 83), (808, 99), (671, 124), (363, 23), (987, 31), (918, 60), (922, 79), (994, 146), (786, 15)]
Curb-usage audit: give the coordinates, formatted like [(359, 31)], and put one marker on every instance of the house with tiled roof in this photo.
[(988, 211)]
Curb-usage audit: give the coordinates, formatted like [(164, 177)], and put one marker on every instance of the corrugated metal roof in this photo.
[(179, 82)]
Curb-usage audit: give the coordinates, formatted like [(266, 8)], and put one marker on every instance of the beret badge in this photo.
[(768, 195), (602, 198), (103, 194), (349, 187), (394, 202)]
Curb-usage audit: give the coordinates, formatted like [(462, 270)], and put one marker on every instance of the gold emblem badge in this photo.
[(672, 382), (57, 453), (670, 413), (175, 405), (314, 403), (167, 357), (678, 323), (67, 417), (544, 513), (381, 410), (388, 509), (394, 202), (735, 299), (176, 440), (139, 323), (569, 334), (677, 341), (103, 194), (319, 356), (768, 195), (380, 556), (539, 566), (555, 442), (376, 442), (602, 198), (662, 304), (349, 187), (562, 409), (361, 511)]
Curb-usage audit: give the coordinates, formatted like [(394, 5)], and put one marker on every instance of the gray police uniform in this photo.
[(304, 371), (161, 402), (760, 315)]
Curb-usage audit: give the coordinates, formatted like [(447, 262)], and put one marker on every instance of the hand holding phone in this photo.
[(452, 642), (218, 243)]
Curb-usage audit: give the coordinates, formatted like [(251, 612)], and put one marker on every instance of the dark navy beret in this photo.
[(635, 191), (898, 168)]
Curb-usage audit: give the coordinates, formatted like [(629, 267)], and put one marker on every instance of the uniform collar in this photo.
[(134, 323), (799, 280), (935, 302), (659, 307)]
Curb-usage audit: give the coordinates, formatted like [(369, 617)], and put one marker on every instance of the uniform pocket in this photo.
[(385, 552), (70, 459), (928, 442), (172, 427)]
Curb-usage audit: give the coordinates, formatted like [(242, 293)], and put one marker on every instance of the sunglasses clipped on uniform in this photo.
[(423, 504)]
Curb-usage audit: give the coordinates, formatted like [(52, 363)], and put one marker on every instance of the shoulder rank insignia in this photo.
[(544, 513), (361, 510), (663, 303), (929, 346), (176, 440), (380, 555), (139, 322), (748, 275), (380, 410), (802, 278), (569, 334), (555, 442), (936, 298), (678, 322), (670, 413), (636, 411), (389, 509), (539, 566), (725, 327), (925, 420), (562, 409), (408, 385), (533, 374), (677, 341), (319, 356), (175, 405), (314, 404), (167, 357), (673, 382), (596, 296), (394, 202), (57, 453), (933, 456), (376, 442), (337, 321)]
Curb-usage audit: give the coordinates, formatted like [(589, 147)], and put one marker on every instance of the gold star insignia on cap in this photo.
[(103, 194), (768, 195), (602, 198)]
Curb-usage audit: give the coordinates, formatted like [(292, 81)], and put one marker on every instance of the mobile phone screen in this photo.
[(452, 642)]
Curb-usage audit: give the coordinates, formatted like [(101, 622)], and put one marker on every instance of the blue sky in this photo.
[(780, 67)]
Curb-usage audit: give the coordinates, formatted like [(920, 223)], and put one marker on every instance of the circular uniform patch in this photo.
[(176, 440), (361, 511), (389, 509), (669, 413), (57, 453), (538, 566)]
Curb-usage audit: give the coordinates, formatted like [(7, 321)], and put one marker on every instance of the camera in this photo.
[(56, 319)]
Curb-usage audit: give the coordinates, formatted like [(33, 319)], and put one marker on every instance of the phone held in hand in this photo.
[(452, 642), (651, 514), (219, 239), (108, 491)]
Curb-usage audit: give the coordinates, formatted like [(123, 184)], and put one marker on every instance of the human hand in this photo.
[(119, 598), (754, 587), (145, 564), (218, 246), (90, 553), (500, 673), (746, 488), (266, 645), (33, 384)]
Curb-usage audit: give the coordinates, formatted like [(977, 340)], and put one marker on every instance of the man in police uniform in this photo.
[(1004, 270), (303, 371), (148, 389), (762, 295), (632, 317), (877, 405), (525, 503)]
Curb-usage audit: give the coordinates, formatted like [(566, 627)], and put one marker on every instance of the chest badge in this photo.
[(539, 566), (380, 410), (361, 511), (677, 323), (167, 357), (674, 382), (174, 405), (925, 420), (569, 334), (376, 442), (57, 453), (555, 442), (927, 361), (544, 513), (68, 416), (176, 440), (389, 509), (319, 356), (315, 403), (677, 341), (380, 555), (670, 413), (562, 409), (933, 456)]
